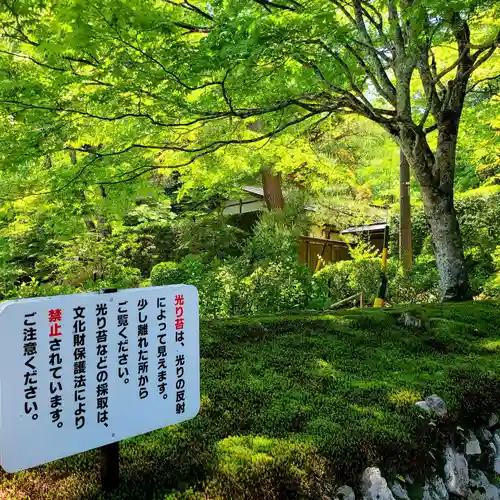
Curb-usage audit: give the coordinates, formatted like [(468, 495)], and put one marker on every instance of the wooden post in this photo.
[(110, 466), (405, 244), (110, 453)]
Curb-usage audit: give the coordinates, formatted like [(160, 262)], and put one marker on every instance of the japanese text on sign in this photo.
[(90, 369)]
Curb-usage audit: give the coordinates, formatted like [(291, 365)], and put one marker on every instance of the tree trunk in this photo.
[(405, 244), (447, 244), (273, 194)]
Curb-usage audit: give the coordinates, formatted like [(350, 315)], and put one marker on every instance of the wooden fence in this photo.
[(312, 249)]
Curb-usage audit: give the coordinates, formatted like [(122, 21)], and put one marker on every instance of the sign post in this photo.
[(85, 371), (110, 466)]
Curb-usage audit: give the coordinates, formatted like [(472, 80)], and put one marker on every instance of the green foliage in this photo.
[(208, 235), (276, 286), (419, 285), (166, 273), (492, 285), (260, 467), (478, 213), (349, 277)]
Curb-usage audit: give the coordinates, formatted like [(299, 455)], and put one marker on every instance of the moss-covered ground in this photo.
[(293, 407)]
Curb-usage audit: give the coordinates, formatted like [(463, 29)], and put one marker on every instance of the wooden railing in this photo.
[(312, 250)]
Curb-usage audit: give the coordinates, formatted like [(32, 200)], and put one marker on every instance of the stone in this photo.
[(484, 435), (480, 484), (436, 404), (423, 406), (433, 405), (493, 420), (435, 489), (346, 493), (496, 443), (477, 495), (409, 479), (491, 455), (410, 321), (496, 465), (478, 479), (472, 446), (492, 492), (399, 491), (374, 486), (456, 472)]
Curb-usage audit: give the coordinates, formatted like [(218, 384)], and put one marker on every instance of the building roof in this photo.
[(377, 226), (255, 190), (259, 192)]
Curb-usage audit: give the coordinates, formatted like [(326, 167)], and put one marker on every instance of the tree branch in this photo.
[(193, 8), (213, 146), (269, 3)]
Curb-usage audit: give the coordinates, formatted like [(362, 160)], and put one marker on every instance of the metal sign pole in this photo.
[(110, 453)]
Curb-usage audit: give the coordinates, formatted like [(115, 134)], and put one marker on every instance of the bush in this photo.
[(492, 285), (278, 286), (232, 288), (166, 273), (478, 213), (420, 285), (348, 277)]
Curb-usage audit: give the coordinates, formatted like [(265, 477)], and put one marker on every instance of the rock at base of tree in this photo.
[(478, 481)]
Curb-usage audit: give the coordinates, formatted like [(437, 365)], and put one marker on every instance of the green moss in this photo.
[(292, 404)]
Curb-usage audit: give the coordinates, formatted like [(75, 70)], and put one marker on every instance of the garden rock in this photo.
[(399, 491), (484, 435), (496, 443), (346, 493), (433, 405), (410, 321), (492, 453), (456, 472), (374, 486), (493, 420), (477, 495), (488, 493), (472, 446), (435, 489), (478, 479)]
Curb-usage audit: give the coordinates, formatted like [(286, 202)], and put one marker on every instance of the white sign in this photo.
[(81, 371)]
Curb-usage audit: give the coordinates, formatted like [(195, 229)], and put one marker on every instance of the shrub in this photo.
[(348, 277), (492, 285), (420, 285), (166, 273), (278, 286), (478, 213), (275, 238)]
